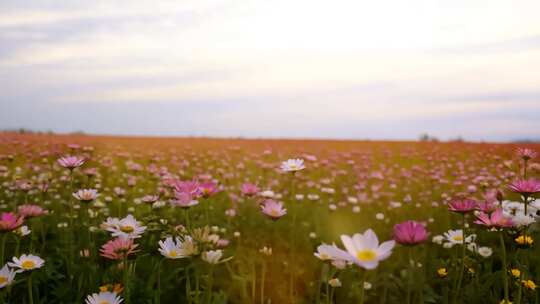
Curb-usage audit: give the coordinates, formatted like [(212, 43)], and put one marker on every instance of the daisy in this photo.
[(176, 249), (86, 195), (497, 219), (292, 165), (71, 162), (26, 263), (104, 297), (28, 210), (455, 237), (214, 256), (127, 227), (273, 209), (525, 187), (364, 249), (10, 221), (7, 276)]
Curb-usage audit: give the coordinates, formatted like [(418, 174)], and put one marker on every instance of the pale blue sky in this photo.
[(282, 68)]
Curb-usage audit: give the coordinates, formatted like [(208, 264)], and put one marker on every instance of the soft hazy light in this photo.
[(273, 68)]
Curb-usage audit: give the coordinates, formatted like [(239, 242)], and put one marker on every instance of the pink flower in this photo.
[(526, 153), (183, 199), (462, 205), (410, 233), (486, 206), (86, 195), (525, 187), (10, 221), (71, 162), (273, 209), (189, 187), (496, 219), (208, 189), (28, 210), (118, 249), (249, 189)]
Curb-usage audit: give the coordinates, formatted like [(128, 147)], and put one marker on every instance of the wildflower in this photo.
[(71, 162), (29, 210), (10, 221), (214, 256), (410, 233), (485, 252), (526, 153), (22, 231), (292, 165), (127, 227), (116, 288), (516, 273), (184, 200), (525, 187), (176, 249), (442, 272), (524, 240), (249, 189), (208, 189), (529, 284), (438, 239), (150, 199), (455, 237), (86, 195), (118, 248), (7, 275), (364, 249), (462, 205), (26, 263), (104, 297), (496, 220), (273, 209), (334, 282)]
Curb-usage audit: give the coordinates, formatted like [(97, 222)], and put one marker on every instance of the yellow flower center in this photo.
[(274, 212), (104, 302), (28, 264), (457, 238), (172, 253), (3, 280), (127, 229), (366, 255)]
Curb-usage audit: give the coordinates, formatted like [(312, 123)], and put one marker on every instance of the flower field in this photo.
[(105, 220)]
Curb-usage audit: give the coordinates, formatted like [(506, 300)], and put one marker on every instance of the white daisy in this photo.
[(26, 263), (7, 276), (293, 165), (364, 249), (127, 227), (176, 249), (104, 297)]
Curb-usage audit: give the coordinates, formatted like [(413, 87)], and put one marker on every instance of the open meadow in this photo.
[(106, 220)]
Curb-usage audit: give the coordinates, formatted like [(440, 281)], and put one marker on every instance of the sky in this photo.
[(282, 68)]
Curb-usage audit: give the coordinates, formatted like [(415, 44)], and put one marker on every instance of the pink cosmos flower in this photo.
[(495, 220), (189, 187), (28, 210), (410, 233), (183, 199), (10, 221), (249, 189), (208, 189), (462, 205), (526, 153), (86, 195), (525, 187), (71, 162), (118, 249), (486, 207), (273, 209), (150, 199)]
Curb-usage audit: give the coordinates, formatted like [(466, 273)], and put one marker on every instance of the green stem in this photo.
[(210, 285), (3, 248), (263, 279), (126, 280), (30, 290), (462, 268), (362, 289), (410, 275), (504, 270)]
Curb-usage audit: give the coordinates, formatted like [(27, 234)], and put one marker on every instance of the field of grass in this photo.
[(220, 202)]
